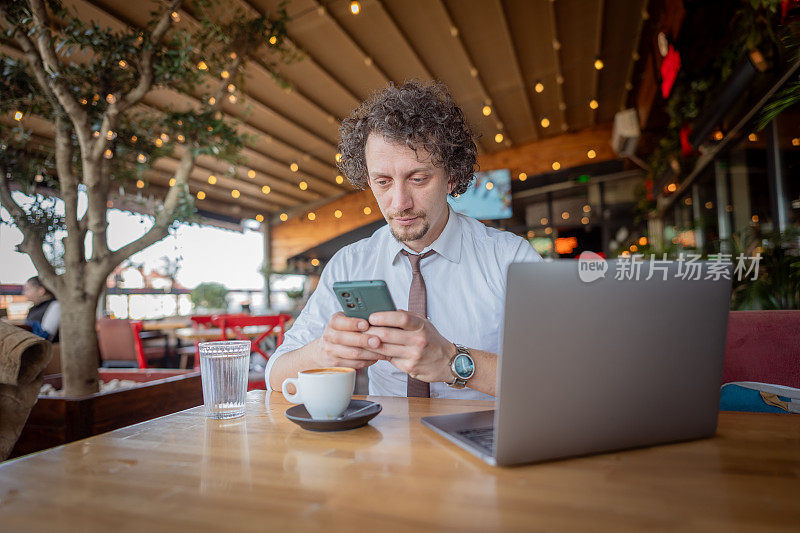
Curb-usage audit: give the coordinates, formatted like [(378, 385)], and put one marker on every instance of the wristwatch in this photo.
[(462, 366)]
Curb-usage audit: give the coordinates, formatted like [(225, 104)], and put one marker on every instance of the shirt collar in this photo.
[(448, 244)]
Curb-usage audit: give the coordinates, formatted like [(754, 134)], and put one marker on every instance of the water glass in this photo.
[(224, 367)]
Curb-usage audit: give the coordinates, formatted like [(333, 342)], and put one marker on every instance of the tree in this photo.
[(89, 83)]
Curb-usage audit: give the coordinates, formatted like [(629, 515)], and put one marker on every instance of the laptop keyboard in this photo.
[(481, 437)]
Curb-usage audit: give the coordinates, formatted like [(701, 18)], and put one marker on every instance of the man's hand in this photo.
[(411, 343), (345, 343)]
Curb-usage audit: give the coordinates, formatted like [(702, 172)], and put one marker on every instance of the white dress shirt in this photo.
[(465, 281)]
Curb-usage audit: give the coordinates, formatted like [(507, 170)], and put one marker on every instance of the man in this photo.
[(412, 146), (45, 315)]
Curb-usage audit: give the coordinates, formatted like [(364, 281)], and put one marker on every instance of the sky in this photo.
[(208, 253)]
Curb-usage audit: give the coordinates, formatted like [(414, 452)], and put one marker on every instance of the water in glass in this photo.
[(224, 367)]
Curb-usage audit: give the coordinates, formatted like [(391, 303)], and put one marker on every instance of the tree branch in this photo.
[(73, 245), (57, 84), (32, 244)]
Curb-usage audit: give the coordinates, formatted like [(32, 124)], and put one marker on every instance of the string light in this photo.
[(303, 185), (109, 204), (337, 214), (139, 184), (489, 185), (688, 201), (672, 187), (339, 179), (315, 262), (110, 135), (545, 122), (293, 167), (565, 215), (212, 101), (796, 141), (642, 241), (38, 178), (487, 110), (338, 157), (367, 210), (284, 217), (586, 208), (539, 87), (709, 205), (108, 154), (522, 176), (232, 98), (164, 137), (718, 135), (110, 98), (176, 16), (498, 138), (212, 179), (591, 154), (96, 134), (584, 220), (202, 66), (273, 40), (141, 158), (83, 101), (754, 219), (598, 64), (123, 64), (134, 138), (531, 234), (233, 55), (593, 104), (251, 173), (312, 216), (634, 248), (266, 189), (556, 165), (18, 116), (235, 193), (548, 231), (181, 138), (201, 195), (225, 74), (543, 221), (231, 88), (159, 142), (355, 8), (259, 218), (752, 137)]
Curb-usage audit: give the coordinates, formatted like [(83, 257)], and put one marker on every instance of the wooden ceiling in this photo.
[(489, 52)]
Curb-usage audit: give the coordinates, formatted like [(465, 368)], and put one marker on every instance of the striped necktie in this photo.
[(417, 303)]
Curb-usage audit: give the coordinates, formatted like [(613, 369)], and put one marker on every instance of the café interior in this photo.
[(624, 128)]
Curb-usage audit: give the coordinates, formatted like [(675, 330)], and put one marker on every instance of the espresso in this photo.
[(328, 371)]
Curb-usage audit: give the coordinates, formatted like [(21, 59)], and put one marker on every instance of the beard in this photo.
[(410, 233)]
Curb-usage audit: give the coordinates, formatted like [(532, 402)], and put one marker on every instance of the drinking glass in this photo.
[(224, 367)]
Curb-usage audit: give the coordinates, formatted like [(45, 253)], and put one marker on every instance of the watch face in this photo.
[(464, 366)]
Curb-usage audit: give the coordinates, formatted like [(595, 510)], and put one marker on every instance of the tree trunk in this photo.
[(79, 351)]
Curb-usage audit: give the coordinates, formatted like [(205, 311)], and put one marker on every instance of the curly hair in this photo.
[(420, 114)]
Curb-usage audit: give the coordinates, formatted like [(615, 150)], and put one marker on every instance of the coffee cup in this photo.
[(325, 392)]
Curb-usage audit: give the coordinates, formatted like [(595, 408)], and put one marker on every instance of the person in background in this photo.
[(44, 317)]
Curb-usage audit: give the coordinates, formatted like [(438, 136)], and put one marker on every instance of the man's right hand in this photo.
[(344, 343)]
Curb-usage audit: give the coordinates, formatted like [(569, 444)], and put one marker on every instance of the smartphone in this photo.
[(359, 299)]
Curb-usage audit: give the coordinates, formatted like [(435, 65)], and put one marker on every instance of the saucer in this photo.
[(300, 416)]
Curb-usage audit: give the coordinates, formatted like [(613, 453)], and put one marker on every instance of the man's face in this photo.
[(32, 292), (410, 190)]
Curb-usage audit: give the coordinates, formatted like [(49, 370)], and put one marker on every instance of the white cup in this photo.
[(325, 392)]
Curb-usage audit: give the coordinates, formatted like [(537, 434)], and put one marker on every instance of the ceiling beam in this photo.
[(562, 105), (626, 89), (528, 100), (404, 37), (487, 100), (598, 52)]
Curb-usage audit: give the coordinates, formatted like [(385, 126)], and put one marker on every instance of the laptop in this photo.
[(600, 365)]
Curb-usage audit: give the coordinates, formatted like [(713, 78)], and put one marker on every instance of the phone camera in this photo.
[(346, 294), (351, 306)]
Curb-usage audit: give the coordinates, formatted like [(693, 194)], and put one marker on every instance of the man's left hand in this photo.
[(412, 345)]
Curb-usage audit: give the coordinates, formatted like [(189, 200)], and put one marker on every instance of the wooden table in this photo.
[(183, 472)]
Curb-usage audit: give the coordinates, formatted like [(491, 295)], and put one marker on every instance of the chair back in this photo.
[(119, 340), (763, 346), (231, 325)]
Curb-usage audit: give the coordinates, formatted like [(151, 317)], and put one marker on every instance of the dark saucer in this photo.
[(300, 416)]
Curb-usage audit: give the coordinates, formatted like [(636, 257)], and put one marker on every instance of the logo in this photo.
[(591, 267)]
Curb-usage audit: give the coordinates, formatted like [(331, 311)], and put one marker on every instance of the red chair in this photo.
[(763, 346), (235, 323), (232, 325)]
